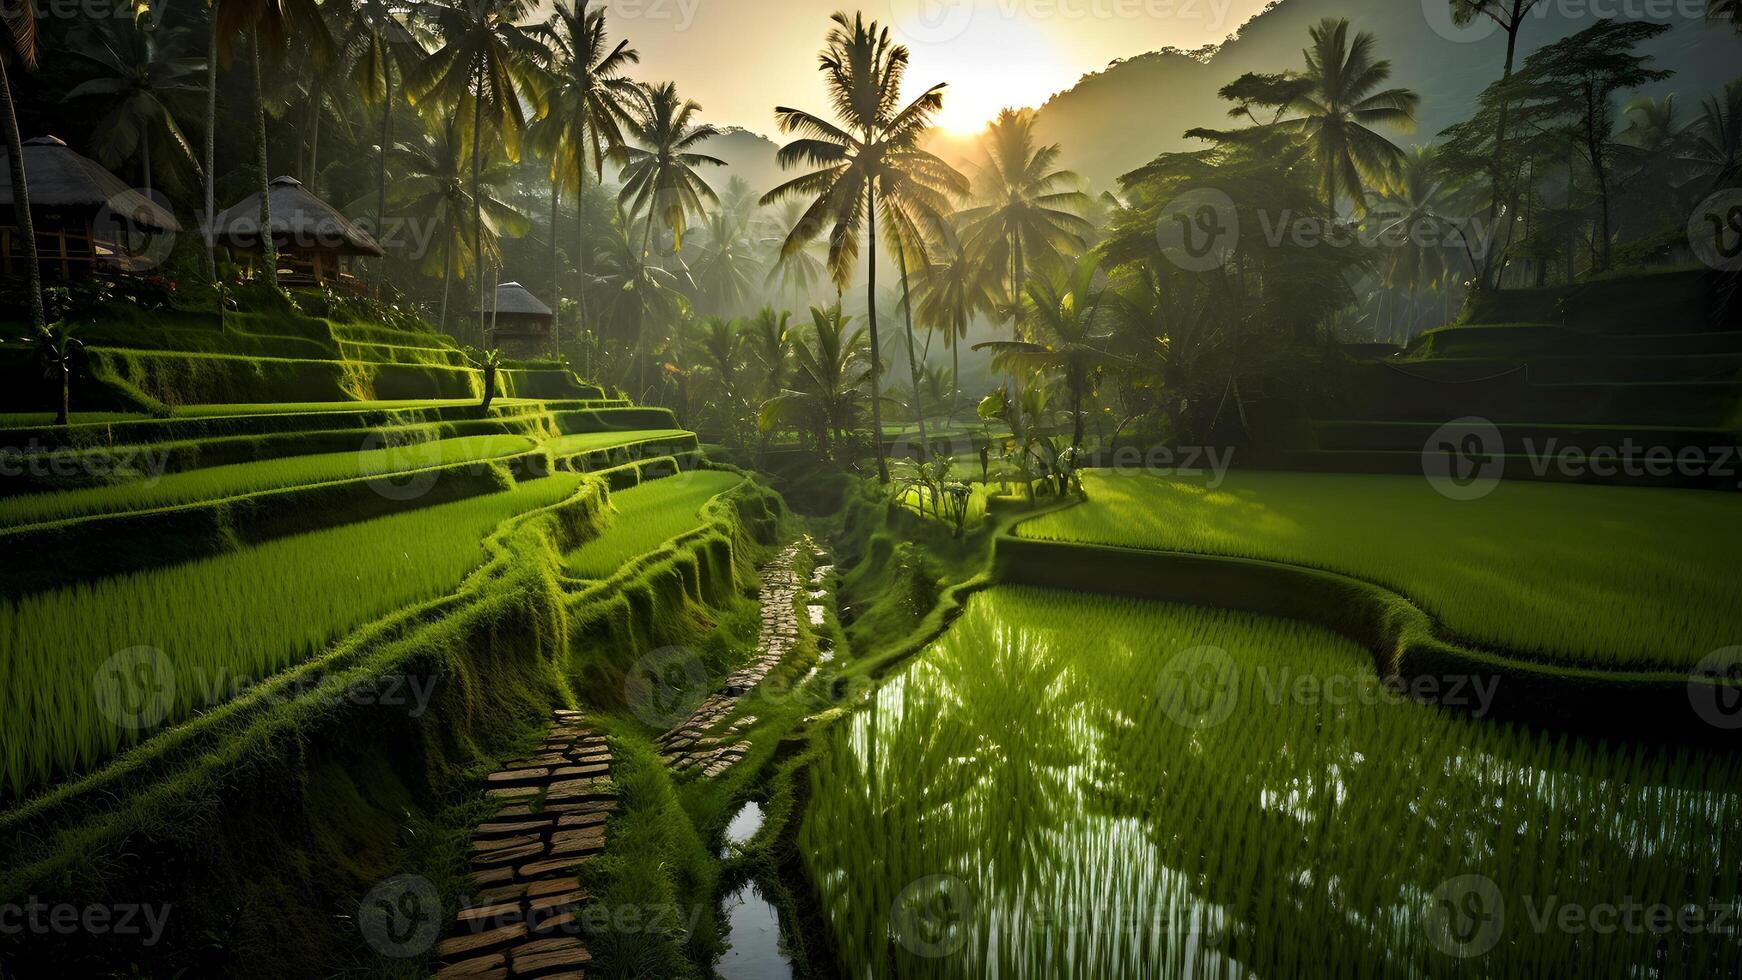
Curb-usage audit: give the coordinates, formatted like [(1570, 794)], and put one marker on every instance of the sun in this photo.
[(990, 62)]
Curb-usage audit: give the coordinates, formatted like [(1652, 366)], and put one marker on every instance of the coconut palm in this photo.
[(795, 275), (431, 185), (18, 50), (268, 25), (1028, 212), (484, 64), (639, 293), (660, 175), (1715, 139), (869, 166), (1408, 213), (769, 344), (589, 101), (956, 288), (728, 262), (1336, 114), (1071, 333), (377, 42), (139, 81), (829, 369)]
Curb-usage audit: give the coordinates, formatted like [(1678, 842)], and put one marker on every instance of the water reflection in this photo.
[(1024, 801)]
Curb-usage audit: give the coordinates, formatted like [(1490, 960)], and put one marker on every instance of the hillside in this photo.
[(1093, 119)]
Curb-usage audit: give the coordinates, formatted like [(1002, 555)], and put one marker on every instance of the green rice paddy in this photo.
[(220, 624), (647, 516), (220, 482), (1070, 786), (587, 442), (1610, 577)]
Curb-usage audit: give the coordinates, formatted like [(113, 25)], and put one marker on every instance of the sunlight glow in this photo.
[(995, 61)]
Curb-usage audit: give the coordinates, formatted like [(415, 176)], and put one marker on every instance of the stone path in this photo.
[(698, 742), (554, 807)]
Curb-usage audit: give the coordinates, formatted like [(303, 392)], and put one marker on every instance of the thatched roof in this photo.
[(513, 298), (63, 180), (301, 222)]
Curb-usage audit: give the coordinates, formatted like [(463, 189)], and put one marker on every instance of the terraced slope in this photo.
[(646, 517), (1602, 576)]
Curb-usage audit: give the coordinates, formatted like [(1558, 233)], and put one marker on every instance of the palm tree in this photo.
[(1715, 149), (143, 82), (268, 25), (18, 44), (1720, 9), (376, 40), (660, 174), (828, 372), (430, 184), (639, 292), (1337, 111), (1415, 199), (795, 275), (770, 347), (1067, 316), (485, 62), (955, 289), (589, 103), (1028, 211), (869, 166), (726, 268)]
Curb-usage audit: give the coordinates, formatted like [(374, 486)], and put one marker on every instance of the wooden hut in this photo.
[(83, 215), (519, 321), (316, 243)]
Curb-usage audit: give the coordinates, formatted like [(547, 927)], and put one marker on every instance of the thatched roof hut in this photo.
[(315, 242), (517, 313), (81, 212)]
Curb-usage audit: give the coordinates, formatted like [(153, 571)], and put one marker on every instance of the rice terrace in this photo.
[(496, 489)]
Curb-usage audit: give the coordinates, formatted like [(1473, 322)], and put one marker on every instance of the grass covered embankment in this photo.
[(1603, 577)]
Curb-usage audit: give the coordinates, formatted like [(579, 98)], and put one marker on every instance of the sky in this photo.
[(740, 58)]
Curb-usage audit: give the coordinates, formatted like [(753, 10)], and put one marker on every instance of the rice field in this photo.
[(200, 632), (238, 479), (647, 516), (1071, 786), (1608, 577), (587, 442)]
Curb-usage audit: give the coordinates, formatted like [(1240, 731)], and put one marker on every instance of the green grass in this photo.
[(646, 517), (1066, 785), (586, 442), (221, 482), (1610, 577), (220, 623)]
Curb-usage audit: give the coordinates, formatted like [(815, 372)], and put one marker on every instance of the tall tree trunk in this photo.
[(268, 247), (21, 200), (956, 368), (477, 196), (912, 358), (381, 186), (876, 348), (556, 295), (1488, 275), (212, 153), (582, 324), (447, 274)]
